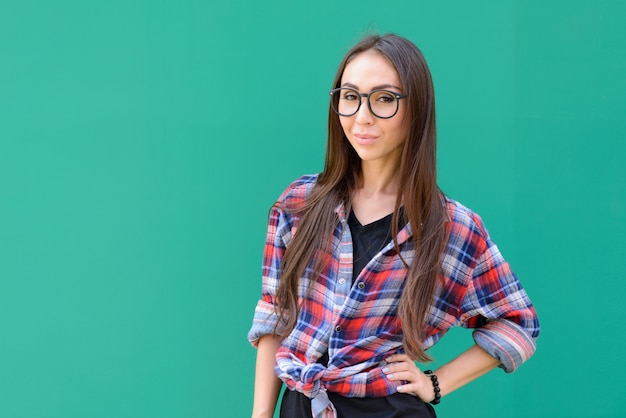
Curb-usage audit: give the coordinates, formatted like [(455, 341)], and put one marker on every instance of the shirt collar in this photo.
[(403, 235)]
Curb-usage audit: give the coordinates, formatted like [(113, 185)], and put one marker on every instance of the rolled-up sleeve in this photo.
[(265, 317), (497, 306)]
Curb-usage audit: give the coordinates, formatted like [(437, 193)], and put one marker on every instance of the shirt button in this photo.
[(361, 285), (342, 280), (337, 328)]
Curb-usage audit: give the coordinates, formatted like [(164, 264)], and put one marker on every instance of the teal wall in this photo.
[(142, 143)]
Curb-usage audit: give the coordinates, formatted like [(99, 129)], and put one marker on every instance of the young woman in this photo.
[(368, 264)]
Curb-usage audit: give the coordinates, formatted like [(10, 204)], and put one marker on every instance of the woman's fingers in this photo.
[(399, 363), (403, 375), (398, 358), (401, 368)]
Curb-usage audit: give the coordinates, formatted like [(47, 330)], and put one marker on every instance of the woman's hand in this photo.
[(400, 367)]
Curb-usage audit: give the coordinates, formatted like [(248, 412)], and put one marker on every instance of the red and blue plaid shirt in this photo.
[(358, 324)]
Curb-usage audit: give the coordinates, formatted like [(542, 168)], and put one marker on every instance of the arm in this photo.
[(265, 324), (467, 367), (505, 323), (266, 383), (261, 335)]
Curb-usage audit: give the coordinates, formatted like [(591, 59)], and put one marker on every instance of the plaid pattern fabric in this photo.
[(358, 323)]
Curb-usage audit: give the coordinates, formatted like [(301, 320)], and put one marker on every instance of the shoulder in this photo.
[(467, 242), (284, 214), (464, 222), (298, 191)]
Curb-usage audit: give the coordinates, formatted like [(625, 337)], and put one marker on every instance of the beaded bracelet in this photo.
[(433, 378)]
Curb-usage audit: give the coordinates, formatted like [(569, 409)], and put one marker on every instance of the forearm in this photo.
[(266, 383), (470, 365)]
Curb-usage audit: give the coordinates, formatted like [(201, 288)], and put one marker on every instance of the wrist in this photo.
[(262, 415), (436, 389), (262, 411)]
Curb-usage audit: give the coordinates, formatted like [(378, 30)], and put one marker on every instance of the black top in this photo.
[(367, 241)]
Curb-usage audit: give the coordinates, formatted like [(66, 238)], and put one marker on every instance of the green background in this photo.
[(143, 142)]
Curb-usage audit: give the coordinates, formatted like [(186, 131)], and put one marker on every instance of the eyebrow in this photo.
[(380, 87)]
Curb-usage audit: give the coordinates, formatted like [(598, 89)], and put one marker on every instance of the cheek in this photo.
[(346, 124), (397, 134), (402, 126)]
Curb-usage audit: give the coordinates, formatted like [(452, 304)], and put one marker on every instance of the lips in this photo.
[(365, 139)]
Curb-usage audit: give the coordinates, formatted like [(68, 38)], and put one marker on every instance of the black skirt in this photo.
[(397, 405)]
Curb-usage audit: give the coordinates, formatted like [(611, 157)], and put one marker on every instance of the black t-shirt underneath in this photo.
[(367, 241)]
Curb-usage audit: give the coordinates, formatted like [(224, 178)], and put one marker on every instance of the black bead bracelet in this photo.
[(433, 378)]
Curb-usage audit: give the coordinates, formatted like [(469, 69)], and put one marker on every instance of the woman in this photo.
[(368, 264)]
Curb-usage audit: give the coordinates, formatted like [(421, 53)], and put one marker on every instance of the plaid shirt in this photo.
[(357, 323)]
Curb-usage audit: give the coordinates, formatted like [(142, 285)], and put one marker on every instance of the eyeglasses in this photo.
[(383, 104)]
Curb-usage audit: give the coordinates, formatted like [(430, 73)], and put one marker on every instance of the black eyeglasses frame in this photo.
[(398, 96)]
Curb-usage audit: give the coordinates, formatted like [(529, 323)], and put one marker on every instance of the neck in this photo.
[(375, 196), (378, 178)]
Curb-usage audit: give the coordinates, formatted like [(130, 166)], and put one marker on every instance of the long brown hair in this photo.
[(420, 195)]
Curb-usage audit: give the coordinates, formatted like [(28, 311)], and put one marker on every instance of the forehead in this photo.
[(369, 70)]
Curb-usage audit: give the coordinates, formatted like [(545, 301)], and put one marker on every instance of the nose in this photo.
[(364, 115)]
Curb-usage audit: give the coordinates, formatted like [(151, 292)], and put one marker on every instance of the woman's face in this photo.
[(374, 139)]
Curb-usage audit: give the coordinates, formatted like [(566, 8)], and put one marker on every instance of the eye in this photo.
[(349, 95), (384, 97)]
